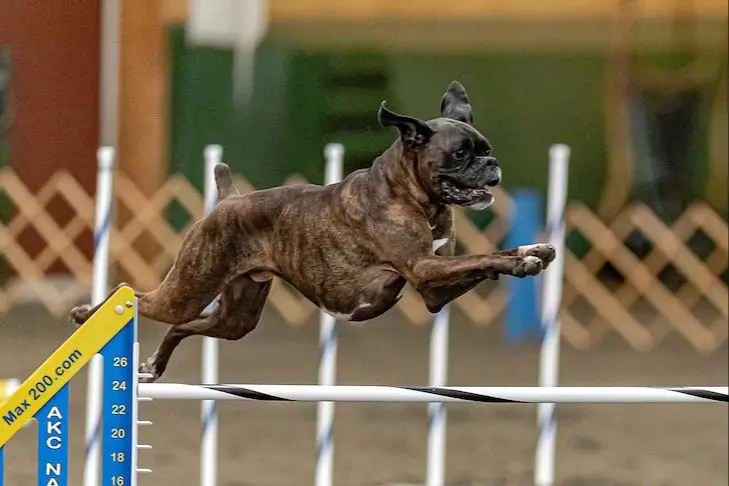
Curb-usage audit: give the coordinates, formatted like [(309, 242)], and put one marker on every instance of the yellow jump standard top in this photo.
[(65, 362)]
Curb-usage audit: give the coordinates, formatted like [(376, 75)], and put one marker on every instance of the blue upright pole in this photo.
[(117, 461), (522, 311), (53, 440)]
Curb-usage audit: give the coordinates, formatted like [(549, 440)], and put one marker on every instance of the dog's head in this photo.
[(453, 160)]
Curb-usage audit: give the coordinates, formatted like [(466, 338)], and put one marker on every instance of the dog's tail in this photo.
[(224, 182)]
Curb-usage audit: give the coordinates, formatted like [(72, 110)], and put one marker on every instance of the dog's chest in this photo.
[(437, 242)]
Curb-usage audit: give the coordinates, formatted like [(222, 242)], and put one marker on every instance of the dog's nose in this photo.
[(494, 176), (491, 162)]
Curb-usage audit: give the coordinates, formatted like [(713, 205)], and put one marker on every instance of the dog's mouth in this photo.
[(453, 192)]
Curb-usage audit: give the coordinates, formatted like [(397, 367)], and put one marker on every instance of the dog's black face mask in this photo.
[(467, 170), (454, 160)]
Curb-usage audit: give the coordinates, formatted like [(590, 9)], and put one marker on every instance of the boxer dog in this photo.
[(349, 247)]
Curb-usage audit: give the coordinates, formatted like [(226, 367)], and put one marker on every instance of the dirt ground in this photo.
[(272, 444)]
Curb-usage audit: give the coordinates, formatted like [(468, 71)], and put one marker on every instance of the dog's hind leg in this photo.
[(171, 303), (237, 314), (81, 313), (198, 274)]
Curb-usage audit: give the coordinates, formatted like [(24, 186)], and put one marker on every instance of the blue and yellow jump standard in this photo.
[(44, 396)]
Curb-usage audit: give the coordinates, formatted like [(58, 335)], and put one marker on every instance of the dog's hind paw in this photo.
[(148, 371), (79, 315)]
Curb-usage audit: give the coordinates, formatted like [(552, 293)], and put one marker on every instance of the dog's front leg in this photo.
[(439, 280), (545, 252)]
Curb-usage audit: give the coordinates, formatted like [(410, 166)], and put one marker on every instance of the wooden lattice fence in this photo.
[(636, 303), (644, 308)]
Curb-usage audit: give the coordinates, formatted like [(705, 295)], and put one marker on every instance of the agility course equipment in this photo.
[(438, 366), (433, 394), (559, 155), (44, 395), (99, 291), (436, 446), (334, 156), (213, 155), (112, 332)]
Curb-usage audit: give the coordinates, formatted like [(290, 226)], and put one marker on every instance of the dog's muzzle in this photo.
[(470, 186), (493, 177)]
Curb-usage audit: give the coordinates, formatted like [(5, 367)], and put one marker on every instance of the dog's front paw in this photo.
[(545, 252), (148, 371), (79, 315), (528, 266)]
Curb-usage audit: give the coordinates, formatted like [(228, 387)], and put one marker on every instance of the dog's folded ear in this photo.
[(454, 104), (414, 133)]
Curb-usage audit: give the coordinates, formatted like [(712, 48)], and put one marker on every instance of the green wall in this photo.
[(203, 112), (523, 103)]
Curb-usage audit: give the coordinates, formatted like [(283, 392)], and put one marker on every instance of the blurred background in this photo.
[(636, 88)]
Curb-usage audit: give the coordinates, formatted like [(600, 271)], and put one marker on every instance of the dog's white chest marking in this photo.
[(438, 243), (344, 317)]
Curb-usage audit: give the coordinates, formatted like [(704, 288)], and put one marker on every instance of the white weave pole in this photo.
[(437, 410), (213, 154), (99, 290), (334, 155), (559, 155)]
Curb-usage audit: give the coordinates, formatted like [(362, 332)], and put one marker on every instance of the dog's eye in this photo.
[(460, 154)]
